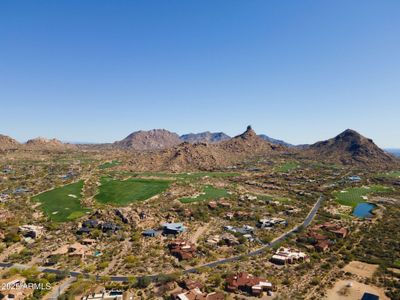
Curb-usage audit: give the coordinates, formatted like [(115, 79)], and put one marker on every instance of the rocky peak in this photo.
[(149, 140), (7, 142), (350, 147), (248, 134)]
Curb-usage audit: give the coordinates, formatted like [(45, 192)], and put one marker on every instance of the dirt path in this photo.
[(199, 232)]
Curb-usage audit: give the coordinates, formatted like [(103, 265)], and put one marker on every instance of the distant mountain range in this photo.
[(161, 149), (162, 139), (205, 137), (395, 152), (8, 143), (275, 141), (205, 156)]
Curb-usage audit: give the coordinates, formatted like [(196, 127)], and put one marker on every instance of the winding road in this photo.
[(259, 251)]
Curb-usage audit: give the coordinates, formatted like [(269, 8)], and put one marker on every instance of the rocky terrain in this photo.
[(351, 148), (41, 143), (204, 156), (160, 149), (7, 142), (149, 140)]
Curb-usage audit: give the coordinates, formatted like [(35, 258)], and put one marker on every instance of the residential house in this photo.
[(173, 228), (271, 222), (229, 215), (105, 295), (31, 231), (88, 242), (354, 178), (75, 249), (197, 294), (20, 190), (340, 232), (229, 239), (242, 215), (91, 223), (247, 197), (87, 226), (191, 284), (183, 250), (4, 197), (248, 283), (322, 242), (142, 215), (288, 256), (213, 240), (212, 205), (109, 227), (224, 204), (335, 228), (246, 229), (322, 246), (78, 250)]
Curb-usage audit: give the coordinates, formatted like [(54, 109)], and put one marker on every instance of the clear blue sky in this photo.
[(301, 71)]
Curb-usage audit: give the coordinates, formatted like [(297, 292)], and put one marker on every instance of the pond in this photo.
[(364, 210)]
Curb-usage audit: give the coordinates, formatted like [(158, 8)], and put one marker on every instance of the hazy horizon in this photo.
[(301, 72)]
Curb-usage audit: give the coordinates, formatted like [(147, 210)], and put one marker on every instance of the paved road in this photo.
[(259, 251), (60, 289), (275, 242)]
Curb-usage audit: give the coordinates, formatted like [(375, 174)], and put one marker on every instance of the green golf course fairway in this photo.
[(208, 193), (123, 192), (63, 203), (353, 196)]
